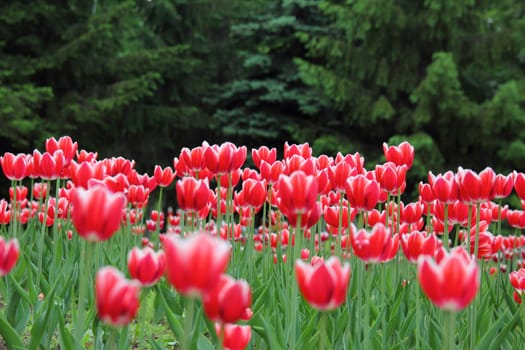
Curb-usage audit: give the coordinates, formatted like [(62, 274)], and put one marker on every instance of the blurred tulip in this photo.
[(194, 264), (96, 212)]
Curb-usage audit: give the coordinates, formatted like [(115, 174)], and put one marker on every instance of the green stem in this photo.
[(188, 324), (323, 338), (445, 227), (159, 204), (84, 271), (450, 330), (41, 243)]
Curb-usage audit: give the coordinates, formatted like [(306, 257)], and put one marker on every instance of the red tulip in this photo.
[(444, 187), (376, 246), (417, 244), (339, 174), (519, 184), (118, 165), (164, 177), (296, 163), (516, 218), (304, 150), (263, 153), (192, 195), (9, 252), (84, 156), (146, 265), (452, 281), (253, 194), (235, 337), (228, 301), (355, 160), (65, 144), (96, 212), (412, 212), (474, 188), (503, 186), (138, 195), (324, 284), (225, 158), (425, 192), (298, 193), (117, 299), (362, 193), (15, 167), (271, 172), (391, 177), (517, 279), (403, 154), (81, 173), (194, 264)]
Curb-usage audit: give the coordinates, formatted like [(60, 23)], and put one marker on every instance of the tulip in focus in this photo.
[(9, 252), (324, 284), (452, 281), (376, 246), (117, 298), (146, 265)]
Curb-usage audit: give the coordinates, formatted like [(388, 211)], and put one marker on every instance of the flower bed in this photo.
[(298, 253)]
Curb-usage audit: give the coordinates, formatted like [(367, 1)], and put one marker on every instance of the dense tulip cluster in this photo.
[(229, 219)]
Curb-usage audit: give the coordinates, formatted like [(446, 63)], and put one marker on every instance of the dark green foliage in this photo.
[(144, 78)]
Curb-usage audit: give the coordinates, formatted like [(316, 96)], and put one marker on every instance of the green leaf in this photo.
[(12, 339)]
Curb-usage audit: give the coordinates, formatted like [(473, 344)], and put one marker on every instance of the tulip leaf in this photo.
[(203, 343), (173, 321), (66, 338), (501, 336), (498, 326), (155, 345), (10, 336)]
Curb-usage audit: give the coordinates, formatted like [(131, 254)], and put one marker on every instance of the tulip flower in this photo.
[(164, 177), (324, 284), (117, 299), (376, 246), (517, 279), (146, 265), (362, 193), (96, 212), (234, 337), (263, 153), (417, 244), (228, 301), (15, 167), (9, 252), (298, 193), (192, 195), (65, 144), (474, 188), (452, 281), (195, 264), (403, 154)]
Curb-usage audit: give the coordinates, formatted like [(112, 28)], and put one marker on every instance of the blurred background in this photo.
[(142, 79)]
